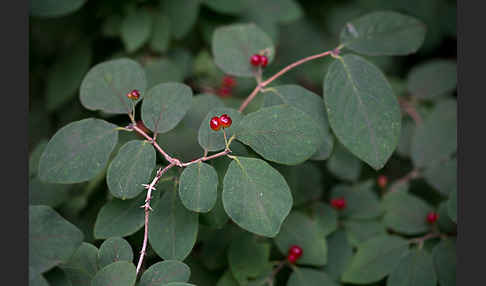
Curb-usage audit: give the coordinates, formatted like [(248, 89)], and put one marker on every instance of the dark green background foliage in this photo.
[(386, 105)]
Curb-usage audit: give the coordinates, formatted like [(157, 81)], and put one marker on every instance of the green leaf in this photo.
[(38, 280), (179, 284), (160, 38), (375, 259), (432, 78), (50, 8), (65, 77), (52, 195), (444, 256), (121, 273), (446, 224), (255, 196), (300, 230), (34, 157), (211, 140), (114, 249), (281, 133), (414, 269), (172, 228), (325, 217), (225, 7), (183, 15), (435, 139), (383, 33), (309, 103), (227, 280), (119, 218), (198, 187), (339, 254), (442, 176), (309, 277), (359, 231), (406, 213), (404, 145), (343, 164), (162, 273), (452, 205), (136, 29), (361, 201), (213, 249), (82, 265), (247, 257), (106, 84), (362, 109), (78, 151), (217, 217), (162, 71), (132, 167), (165, 105), (304, 180), (233, 45), (52, 239)]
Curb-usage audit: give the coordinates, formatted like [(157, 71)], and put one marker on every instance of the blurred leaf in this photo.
[(34, 158), (106, 84), (182, 14), (112, 25), (405, 143), (282, 134), (361, 201), (52, 239), (452, 205), (247, 257), (165, 272), (160, 37), (41, 193), (121, 273), (78, 151), (136, 29), (339, 254), (165, 105), (132, 167), (304, 180), (255, 196), (446, 224), (198, 187), (51, 8), (82, 266), (233, 45), (172, 228), (414, 269), (38, 280), (444, 256), (309, 277), (343, 164), (442, 176), (114, 249), (162, 71), (225, 6), (432, 78), (375, 259), (359, 231), (300, 230), (436, 139), (214, 140), (383, 33), (326, 218), (227, 279), (362, 109)]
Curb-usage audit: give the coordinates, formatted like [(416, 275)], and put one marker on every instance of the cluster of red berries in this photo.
[(217, 122), (432, 217), (227, 85), (338, 203), (134, 94), (382, 181), (259, 60), (295, 252)]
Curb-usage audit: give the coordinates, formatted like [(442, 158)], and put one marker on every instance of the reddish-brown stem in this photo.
[(282, 71), (147, 208), (275, 271), (408, 177), (205, 158), (411, 110), (169, 159)]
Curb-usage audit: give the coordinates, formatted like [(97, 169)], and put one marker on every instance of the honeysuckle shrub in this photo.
[(330, 158)]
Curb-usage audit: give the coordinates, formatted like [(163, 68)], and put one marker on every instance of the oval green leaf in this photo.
[(162, 273), (281, 133), (432, 78), (255, 196), (165, 105), (309, 277), (198, 187), (106, 84), (415, 269), (132, 167), (233, 45), (183, 15), (121, 273), (43, 8), (340, 253), (82, 265), (211, 140), (343, 164), (325, 217), (442, 176), (361, 201), (78, 151), (135, 29), (444, 256), (383, 33), (114, 249), (160, 32), (362, 109)]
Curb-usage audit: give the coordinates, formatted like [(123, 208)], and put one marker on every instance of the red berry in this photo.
[(229, 81), (224, 91), (134, 94), (382, 181), (292, 258), (215, 123), (295, 250), (256, 60), (225, 120), (264, 61), (432, 217), (338, 203)]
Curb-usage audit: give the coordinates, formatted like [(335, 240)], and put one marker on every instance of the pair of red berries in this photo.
[(338, 203), (227, 85), (217, 122), (432, 217), (295, 252), (134, 94), (259, 60)]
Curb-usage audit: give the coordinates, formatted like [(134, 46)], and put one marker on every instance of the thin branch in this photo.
[(408, 177), (205, 158), (410, 110), (150, 187), (275, 271)]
